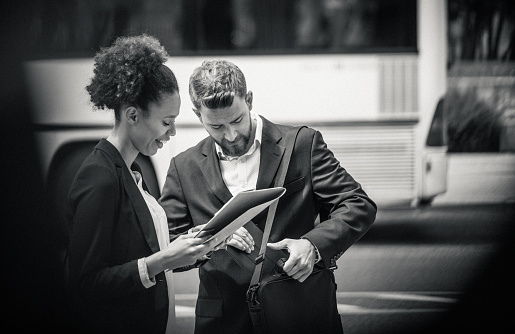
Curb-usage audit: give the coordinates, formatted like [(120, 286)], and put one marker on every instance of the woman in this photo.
[(120, 256)]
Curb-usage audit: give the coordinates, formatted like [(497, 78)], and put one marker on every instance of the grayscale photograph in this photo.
[(258, 166)]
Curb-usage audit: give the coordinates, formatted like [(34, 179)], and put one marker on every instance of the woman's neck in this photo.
[(124, 146)]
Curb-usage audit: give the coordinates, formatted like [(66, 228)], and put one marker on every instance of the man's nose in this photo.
[(230, 134)]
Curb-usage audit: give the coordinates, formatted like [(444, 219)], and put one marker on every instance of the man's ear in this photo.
[(249, 97), (198, 114), (131, 114)]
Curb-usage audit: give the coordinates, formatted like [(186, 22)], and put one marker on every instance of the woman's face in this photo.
[(156, 128)]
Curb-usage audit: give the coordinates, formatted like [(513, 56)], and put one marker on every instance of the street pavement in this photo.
[(473, 224)]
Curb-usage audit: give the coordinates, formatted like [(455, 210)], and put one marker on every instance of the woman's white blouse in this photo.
[(161, 226)]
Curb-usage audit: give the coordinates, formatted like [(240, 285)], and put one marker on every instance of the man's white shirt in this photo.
[(241, 173)]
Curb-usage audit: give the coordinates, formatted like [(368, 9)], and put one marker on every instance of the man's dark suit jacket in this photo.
[(111, 228), (315, 184)]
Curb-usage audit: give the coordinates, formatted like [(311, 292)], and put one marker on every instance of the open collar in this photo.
[(271, 155)]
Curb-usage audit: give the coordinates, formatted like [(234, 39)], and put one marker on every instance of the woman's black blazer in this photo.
[(110, 229)]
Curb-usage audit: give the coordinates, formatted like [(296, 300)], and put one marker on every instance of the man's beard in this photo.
[(241, 142), (229, 148)]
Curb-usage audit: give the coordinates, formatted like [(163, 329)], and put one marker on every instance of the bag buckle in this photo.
[(259, 258), (251, 296)]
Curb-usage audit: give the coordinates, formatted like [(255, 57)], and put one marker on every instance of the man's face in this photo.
[(230, 127)]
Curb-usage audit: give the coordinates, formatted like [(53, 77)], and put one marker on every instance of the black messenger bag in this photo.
[(281, 304)]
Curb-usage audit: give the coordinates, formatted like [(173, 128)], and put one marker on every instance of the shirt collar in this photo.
[(255, 145)]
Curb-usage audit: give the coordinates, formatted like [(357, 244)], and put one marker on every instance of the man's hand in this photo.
[(196, 229), (242, 240), (302, 257)]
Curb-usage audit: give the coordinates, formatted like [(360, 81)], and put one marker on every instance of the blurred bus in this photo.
[(370, 75)]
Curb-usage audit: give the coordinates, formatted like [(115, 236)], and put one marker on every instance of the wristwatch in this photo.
[(317, 253)]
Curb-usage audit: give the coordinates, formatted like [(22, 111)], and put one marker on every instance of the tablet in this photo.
[(239, 210)]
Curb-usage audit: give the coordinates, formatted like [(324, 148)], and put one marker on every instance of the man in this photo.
[(244, 151)]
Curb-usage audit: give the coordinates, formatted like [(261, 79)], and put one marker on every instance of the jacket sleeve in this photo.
[(349, 210), (174, 202), (94, 202)]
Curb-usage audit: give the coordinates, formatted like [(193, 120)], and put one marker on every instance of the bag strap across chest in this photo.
[(290, 138)]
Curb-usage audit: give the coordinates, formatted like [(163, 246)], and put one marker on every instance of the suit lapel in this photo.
[(271, 155), (138, 202), (141, 209), (210, 168)]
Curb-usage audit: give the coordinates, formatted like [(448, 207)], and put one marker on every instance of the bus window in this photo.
[(226, 26), (438, 131)]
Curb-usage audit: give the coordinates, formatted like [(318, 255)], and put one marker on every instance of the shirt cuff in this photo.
[(143, 274)]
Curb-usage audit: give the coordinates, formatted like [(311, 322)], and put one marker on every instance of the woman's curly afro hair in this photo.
[(131, 71)]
